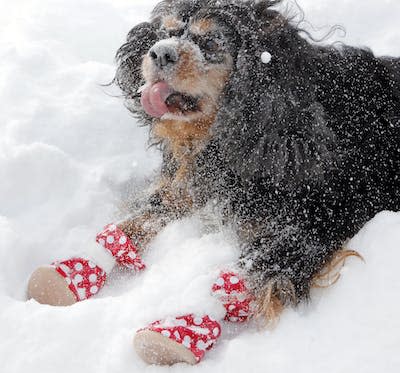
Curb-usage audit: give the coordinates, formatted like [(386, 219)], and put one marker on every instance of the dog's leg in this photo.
[(169, 202), (69, 281), (187, 339), (281, 261), (279, 292), (82, 276)]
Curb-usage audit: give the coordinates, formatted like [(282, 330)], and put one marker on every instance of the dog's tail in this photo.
[(280, 292), (330, 274)]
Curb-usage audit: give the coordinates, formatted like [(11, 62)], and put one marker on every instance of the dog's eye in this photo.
[(210, 45)]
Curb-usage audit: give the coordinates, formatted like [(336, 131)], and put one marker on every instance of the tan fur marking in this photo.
[(330, 274), (174, 197), (268, 308), (171, 23), (216, 80), (147, 68), (182, 133), (141, 230), (193, 80), (271, 301), (203, 26), (185, 140), (188, 71)]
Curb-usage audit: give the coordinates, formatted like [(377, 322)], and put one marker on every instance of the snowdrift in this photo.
[(70, 153)]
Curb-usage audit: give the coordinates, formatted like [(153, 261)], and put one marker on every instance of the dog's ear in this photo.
[(129, 57), (143, 34), (269, 124), (128, 76)]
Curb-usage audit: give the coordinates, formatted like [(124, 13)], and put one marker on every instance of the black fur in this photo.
[(305, 150)]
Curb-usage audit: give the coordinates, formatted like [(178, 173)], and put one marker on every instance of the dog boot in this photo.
[(232, 291), (66, 282), (182, 339)]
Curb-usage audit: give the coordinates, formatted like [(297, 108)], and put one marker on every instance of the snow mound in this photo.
[(69, 152)]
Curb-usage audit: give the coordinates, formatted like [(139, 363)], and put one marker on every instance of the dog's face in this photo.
[(198, 62), (186, 71)]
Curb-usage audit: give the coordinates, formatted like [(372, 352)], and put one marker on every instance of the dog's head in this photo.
[(196, 70), (186, 72), (177, 66)]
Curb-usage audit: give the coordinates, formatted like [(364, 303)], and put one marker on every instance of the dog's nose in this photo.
[(163, 55)]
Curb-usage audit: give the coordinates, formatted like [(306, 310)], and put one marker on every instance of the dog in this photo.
[(295, 144)]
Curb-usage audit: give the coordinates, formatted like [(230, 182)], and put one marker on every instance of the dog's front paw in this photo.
[(67, 282), (182, 339)]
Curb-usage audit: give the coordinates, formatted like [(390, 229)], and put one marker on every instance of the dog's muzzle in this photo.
[(159, 97), (164, 53)]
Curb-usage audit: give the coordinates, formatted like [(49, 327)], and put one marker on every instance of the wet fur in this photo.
[(302, 152)]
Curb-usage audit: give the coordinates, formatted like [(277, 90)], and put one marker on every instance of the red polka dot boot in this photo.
[(182, 339), (232, 291), (66, 282)]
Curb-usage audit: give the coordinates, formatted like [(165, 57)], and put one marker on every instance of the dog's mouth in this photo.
[(159, 99)]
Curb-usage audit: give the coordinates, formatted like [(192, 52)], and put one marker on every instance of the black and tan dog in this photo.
[(296, 145), (298, 153)]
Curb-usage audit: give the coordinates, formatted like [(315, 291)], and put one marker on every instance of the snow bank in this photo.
[(69, 152)]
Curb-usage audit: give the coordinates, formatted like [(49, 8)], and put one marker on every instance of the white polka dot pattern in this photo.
[(166, 333), (198, 334), (84, 278), (120, 246), (236, 298)]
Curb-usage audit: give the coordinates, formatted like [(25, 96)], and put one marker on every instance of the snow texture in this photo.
[(70, 152)]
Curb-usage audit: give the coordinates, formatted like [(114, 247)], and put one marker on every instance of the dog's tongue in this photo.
[(153, 99)]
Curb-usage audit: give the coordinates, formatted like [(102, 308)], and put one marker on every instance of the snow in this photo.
[(266, 57), (70, 153)]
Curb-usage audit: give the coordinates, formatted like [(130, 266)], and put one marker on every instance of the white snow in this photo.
[(266, 57), (70, 153)]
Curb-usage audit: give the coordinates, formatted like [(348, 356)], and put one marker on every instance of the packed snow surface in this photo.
[(70, 153)]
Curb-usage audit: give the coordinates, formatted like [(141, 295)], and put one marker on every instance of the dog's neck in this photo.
[(184, 140)]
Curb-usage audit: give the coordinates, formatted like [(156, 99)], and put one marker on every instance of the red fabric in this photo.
[(83, 277), (198, 334), (120, 246), (232, 291)]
